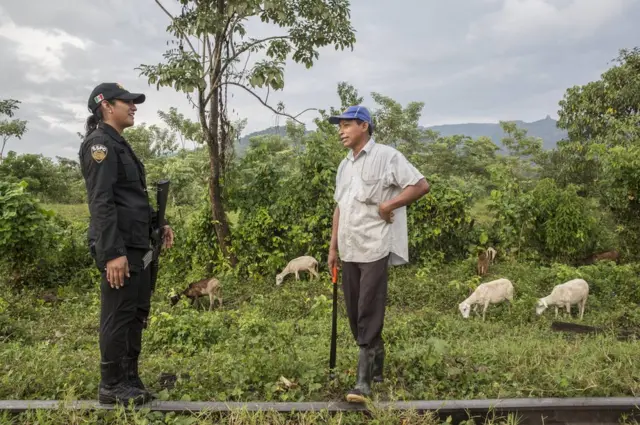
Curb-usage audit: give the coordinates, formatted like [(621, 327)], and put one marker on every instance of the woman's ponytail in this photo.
[(91, 124)]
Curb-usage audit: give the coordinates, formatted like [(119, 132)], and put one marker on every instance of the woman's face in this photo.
[(121, 113)]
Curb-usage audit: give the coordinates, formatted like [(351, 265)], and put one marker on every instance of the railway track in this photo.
[(566, 411)]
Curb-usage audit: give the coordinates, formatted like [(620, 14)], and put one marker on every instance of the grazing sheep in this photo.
[(575, 291), (487, 293), (209, 286), (299, 264), (492, 254), (483, 263)]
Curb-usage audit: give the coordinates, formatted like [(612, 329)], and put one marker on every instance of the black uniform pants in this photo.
[(125, 310), (365, 294)]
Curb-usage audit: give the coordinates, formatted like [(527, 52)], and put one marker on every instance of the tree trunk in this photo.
[(4, 143), (221, 224)]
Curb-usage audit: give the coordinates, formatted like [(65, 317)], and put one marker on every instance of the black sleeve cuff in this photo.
[(110, 254)]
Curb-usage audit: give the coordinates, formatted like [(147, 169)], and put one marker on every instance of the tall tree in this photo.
[(395, 125), (603, 122), (150, 142), (599, 116), (10, 128), (606, 110), (184, 127), (210, 35)]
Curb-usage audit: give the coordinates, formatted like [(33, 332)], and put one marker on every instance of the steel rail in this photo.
[(602, 410)]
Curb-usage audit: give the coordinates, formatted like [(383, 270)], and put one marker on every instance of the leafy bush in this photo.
[(565, 225), (284, 211), (195, 254), (61, 182), (68, 261), (555, 222), (24, 230), (439, 224)]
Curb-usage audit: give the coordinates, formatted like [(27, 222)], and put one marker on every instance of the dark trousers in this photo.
[(124, 311), (365, 294)]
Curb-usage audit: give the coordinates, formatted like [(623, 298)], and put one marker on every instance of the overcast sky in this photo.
[(467, 60)]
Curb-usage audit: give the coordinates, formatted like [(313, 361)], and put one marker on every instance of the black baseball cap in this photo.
[(108, 91)]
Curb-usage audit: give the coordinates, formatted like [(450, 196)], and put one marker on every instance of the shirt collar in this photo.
[(111, 132), (367, 148)]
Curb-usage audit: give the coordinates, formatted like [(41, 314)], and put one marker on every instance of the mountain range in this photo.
[(546, 129)]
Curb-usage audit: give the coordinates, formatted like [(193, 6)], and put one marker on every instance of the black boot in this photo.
[(130, 365), (378, 363), (363, 384), (114, 387)]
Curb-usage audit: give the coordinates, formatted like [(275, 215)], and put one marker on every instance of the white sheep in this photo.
[(491, 252), (304, 263), (566, 294), (487, 293)]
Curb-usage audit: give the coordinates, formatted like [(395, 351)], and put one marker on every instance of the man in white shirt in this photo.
[(374, 184)]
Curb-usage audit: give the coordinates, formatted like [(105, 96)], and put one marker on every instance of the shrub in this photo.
[(284, 212), (195, 253), (439, 224), (24, 230), (554, 222), (68, 261)]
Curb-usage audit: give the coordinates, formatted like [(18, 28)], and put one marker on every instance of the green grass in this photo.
[(72, 212), (480, 211), (75, 212), (263, 332)]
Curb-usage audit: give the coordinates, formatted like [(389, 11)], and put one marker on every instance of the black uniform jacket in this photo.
[(121, 215)]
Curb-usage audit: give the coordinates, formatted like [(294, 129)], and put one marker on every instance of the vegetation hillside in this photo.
[(546, 129)]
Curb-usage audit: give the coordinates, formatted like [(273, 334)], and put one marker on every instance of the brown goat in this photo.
[(209, 286), (483, 263), (608, 255)]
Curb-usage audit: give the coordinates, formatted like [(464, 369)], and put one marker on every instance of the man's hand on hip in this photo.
[(385, 212), (117, 269)]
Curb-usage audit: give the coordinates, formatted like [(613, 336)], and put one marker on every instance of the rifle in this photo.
[(157, 233)]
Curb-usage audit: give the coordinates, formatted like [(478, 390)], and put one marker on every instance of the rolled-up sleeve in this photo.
[(401, 173)]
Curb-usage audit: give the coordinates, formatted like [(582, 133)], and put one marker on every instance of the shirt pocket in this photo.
[(140, 231), (370, 191), (130, 168)]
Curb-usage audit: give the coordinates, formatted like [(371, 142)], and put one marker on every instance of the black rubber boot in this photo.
[(130, 365), (114, 387), (378, 363), (363, 384)]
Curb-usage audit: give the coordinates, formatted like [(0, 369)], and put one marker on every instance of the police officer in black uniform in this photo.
[(119, 239)]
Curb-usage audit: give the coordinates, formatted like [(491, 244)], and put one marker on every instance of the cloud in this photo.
[(42, 51), (539, 21), (468, 61)]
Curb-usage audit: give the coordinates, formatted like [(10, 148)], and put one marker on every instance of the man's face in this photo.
[(352, 133)]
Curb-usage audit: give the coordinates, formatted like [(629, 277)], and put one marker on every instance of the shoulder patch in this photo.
[(99, 152)]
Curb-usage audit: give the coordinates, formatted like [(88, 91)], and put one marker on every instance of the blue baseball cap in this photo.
[(353, 113)]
